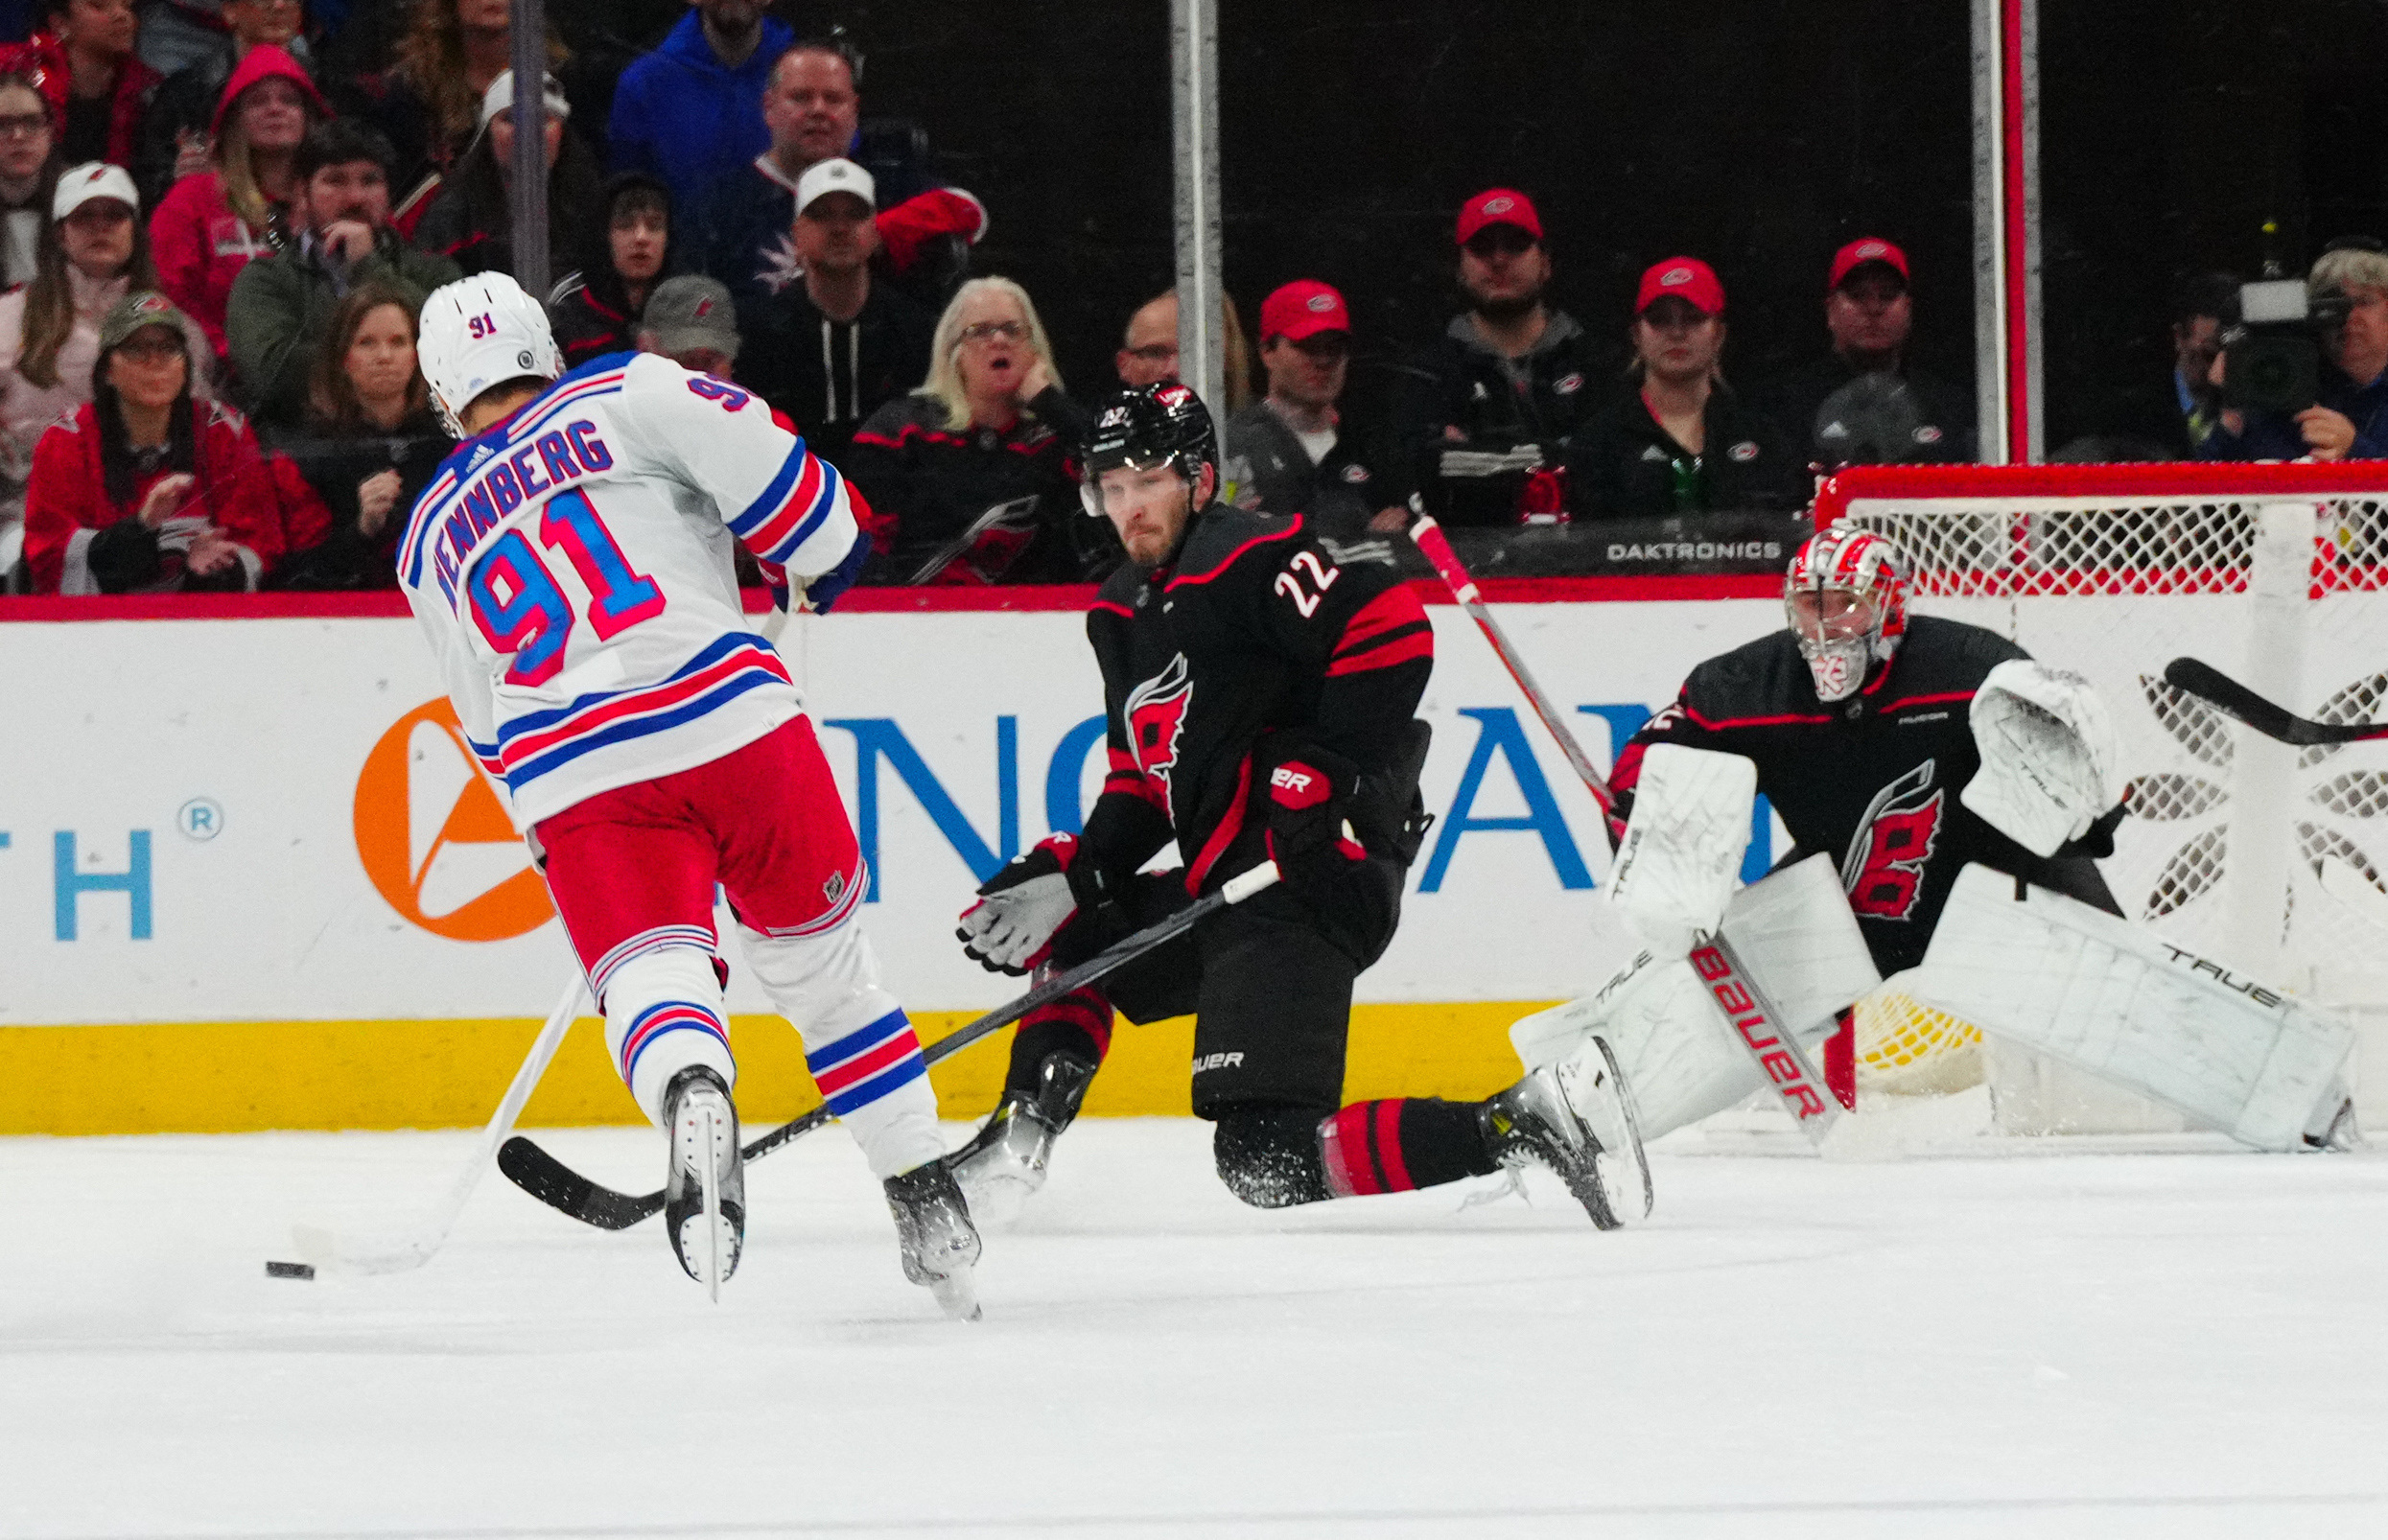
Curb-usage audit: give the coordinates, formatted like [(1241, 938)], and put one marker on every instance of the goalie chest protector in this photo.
[(1871, 781)]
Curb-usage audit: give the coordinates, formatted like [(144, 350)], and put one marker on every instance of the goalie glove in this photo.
[(1681, 853), (2048, 755), (1011, 928)]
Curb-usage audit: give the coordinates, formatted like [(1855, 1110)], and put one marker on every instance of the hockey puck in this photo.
[(288, 1270)]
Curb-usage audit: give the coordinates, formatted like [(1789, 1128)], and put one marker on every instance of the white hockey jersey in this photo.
[(572, 567)]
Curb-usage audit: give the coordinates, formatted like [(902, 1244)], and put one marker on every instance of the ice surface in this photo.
[(2180, 1345)]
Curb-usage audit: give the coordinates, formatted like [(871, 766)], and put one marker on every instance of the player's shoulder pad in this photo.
[(1224, 536), (1762, 678), (1121, 589), (1940, 655)]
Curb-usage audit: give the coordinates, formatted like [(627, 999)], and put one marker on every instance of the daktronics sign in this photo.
[(436, 840)]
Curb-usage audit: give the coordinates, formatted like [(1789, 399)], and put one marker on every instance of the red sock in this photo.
[(1078, 1022), (1393, 1146)]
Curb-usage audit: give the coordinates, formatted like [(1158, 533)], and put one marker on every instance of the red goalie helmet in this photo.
[(1847, 600)]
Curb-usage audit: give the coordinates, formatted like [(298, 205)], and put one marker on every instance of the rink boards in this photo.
[(249, 878)]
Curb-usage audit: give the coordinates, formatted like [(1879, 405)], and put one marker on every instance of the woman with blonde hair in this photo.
[(214, 223), (978, 485)]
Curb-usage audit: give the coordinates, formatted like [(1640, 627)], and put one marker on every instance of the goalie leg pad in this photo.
[(1793, 931), (859, 1043), (2110, 997)]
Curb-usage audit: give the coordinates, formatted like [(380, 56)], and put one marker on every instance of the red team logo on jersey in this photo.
[(1157, 723), (1884, 870)]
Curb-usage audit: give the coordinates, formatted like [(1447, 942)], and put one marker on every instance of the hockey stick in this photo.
[(560, 1187), (1757, 1024), (2235, 700), (402, 1252)]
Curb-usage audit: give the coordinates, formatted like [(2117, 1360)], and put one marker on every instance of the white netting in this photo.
[(2116, 577)]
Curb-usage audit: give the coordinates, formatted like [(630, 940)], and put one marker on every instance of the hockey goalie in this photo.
[(1947, 797)]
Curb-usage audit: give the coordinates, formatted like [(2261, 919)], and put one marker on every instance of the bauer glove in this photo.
[(1309, 836), (1011, 928)]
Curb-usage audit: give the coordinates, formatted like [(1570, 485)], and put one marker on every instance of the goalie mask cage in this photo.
[(2275, 574)]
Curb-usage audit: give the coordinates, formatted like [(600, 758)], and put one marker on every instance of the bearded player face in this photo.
[(1150, 507)]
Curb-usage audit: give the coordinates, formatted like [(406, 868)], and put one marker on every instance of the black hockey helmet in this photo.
[(1144, 428)]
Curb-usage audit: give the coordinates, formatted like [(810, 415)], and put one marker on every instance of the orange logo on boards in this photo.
[(435, 839)]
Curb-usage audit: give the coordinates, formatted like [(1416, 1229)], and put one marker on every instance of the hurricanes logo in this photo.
[(1157, 724), (1884, 871), (435, 839)]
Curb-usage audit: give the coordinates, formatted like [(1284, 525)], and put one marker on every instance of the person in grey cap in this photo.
[(692, 322), (835, 345)]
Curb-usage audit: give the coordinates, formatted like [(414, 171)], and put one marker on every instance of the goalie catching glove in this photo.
[(1021, 908), (2048, 755)]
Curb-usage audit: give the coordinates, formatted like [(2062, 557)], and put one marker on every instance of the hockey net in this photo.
[(2277, 574)]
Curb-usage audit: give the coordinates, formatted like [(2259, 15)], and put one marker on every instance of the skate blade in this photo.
[(1597, 1092), (957, 1294)]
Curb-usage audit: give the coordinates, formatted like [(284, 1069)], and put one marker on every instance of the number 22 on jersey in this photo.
[(524, 613)]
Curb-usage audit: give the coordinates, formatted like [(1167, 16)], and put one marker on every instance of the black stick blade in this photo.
[(2233, 699), (560, 1187)]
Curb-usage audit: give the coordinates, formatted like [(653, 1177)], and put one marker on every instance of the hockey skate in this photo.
[(2341, 1133), (705, 1189), (940, 1244), (1004, 1163), (1577, 1118)]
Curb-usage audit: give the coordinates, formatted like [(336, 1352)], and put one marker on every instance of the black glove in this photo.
[(125, 555), (1309, 834), (1011, 928)]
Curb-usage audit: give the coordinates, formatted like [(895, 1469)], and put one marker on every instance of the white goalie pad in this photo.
[(1795, 934), (1681, 853), (2109, 997), (2048, 755)]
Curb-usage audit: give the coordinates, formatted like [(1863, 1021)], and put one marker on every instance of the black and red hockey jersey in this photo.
[(1872, 781), (1257, 642)]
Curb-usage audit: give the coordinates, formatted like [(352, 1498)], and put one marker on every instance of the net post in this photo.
[(2263, 773)]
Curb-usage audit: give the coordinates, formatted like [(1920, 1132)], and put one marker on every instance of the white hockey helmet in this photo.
[(482, 332)]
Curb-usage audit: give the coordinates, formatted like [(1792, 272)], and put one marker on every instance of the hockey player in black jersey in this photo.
[(1947, 798), (1261, 686)]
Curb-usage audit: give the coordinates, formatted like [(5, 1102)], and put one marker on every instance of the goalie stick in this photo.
[(560, 1187), (2235, 700), (1756, 1022)]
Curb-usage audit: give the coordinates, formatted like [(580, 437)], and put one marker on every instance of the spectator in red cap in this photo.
[(1684, 442), (1290, 452), (1861, 404), (1489, 411)]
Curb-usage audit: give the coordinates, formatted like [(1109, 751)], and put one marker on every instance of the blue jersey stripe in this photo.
[(768, 504), (637, 727)]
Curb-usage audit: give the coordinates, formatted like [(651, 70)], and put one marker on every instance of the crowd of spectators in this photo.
[(216, 252)]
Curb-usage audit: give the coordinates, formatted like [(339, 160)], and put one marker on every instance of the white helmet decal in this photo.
[(482, 332)]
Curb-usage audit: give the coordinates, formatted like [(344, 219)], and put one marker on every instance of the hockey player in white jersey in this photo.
[(571, 565)]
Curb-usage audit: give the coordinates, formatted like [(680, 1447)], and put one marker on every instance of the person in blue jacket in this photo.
[(691, 112)]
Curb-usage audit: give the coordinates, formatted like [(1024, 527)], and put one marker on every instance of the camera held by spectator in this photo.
[(2327, 348)]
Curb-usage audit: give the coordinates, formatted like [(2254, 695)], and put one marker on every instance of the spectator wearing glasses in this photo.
[(371, 444), (217, 222), (1683, 442), (93, 254), (472, 221), (1861, 403), (97, 89), (28, 170), (1488, 413), (1148, 350), (812, 110), (282, 305), (836, 346), (2348, 418), (186, 114), (980, 489), (147, 489), (595, 306), (1291, 451)]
